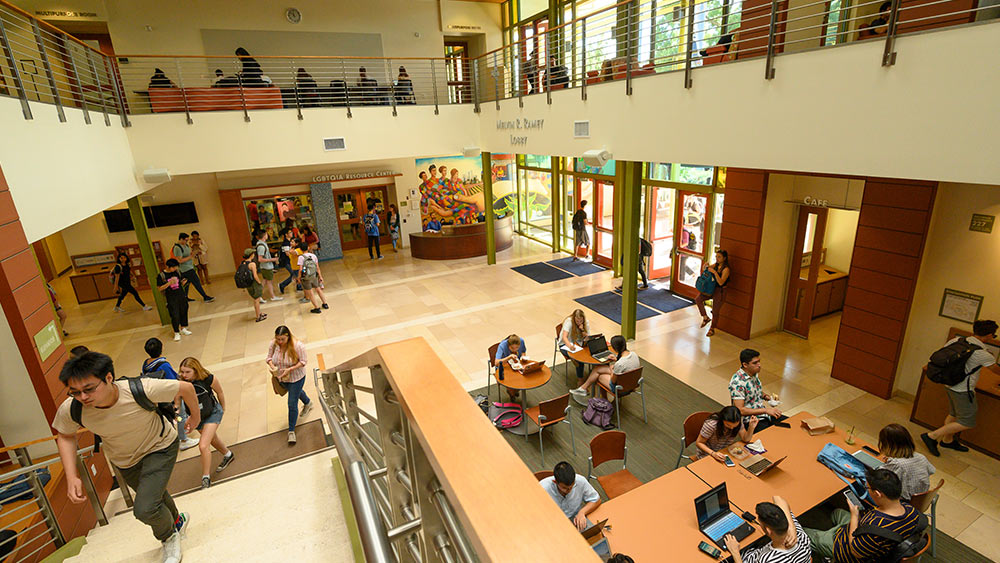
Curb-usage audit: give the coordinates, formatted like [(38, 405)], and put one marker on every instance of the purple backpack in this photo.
[(598, 413)]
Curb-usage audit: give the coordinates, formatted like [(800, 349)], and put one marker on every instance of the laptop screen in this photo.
[(597, 345), (711, 504)]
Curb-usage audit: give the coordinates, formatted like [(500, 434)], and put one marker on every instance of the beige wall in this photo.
[(841, 226), (776, 241), (21, 416), (56, 246), (954, 258)]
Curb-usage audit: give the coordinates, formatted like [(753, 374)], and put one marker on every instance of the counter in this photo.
[(461, 241), (831, 288), (92, 283)]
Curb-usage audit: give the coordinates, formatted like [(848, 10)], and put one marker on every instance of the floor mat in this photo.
[(577, 267), (542, 272), (250, 455), (609, 304), (661, 299)]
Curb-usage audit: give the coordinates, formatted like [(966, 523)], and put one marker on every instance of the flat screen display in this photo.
[(119, 220)]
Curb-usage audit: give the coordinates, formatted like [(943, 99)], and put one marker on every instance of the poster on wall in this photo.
[(451, 188)]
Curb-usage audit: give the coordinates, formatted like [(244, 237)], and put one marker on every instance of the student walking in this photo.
[(200, 249), (157, 367), (169, 282), (285, 259), (714, 290), (181, 252), (121, 278), (286, 358), (59, 310), (265, 263), (371, 222), (311, 279), (580, 236), (135, 436), (212, 405), (393, 223), (248, 277)]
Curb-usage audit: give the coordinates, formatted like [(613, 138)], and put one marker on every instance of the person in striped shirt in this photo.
[(789, 543), (848, 542)]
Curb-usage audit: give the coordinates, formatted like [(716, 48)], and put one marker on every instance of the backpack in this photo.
[(483, 402), (841, 462), (370, 227), (947, 365), (706, 283), (598, 413), (165, 410), (243, 276), (206, 399), (506, 415), (645, 249), (578, 221), (19, 488), (904, 546), (152, 369), (308, 267)]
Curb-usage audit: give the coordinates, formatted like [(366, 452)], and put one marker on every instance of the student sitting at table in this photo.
[(912, 468), (789, 544), (573, 493), (511, 348), (848, 541), (747, 393), (722, 430), (625, 360), (575, 329)]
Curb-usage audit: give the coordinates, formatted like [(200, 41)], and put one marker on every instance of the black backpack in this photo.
[(578, 220), (645, 249), (947, 365), (243, 276), (165, 410), (904, 546), (206, 399)]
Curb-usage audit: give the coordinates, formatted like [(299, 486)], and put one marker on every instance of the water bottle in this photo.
[(500, 371)]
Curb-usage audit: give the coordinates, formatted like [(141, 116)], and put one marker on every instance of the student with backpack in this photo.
[(957, 366), (711, 285), (181, 252), (136, 438), (247, 277), (286, 358), (169, 282), (157, 367), (311, 279), (580, 237), (287, 248), (265, 263), (371, 222), (211, 405)]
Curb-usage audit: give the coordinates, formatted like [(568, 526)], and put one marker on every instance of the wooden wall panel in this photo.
[(892, 226), (236, 223), (742, 218)]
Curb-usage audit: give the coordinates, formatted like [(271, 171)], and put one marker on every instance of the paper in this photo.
[(515, 365), (756, 447), (573, 348)]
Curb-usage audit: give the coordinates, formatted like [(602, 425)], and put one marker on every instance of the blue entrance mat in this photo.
[(661, 300), (577, 268), (609, 304), (542, 272)]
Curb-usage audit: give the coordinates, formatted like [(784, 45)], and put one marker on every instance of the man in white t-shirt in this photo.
[(311, 279), (789, 542), (575, 496), (962, 405)]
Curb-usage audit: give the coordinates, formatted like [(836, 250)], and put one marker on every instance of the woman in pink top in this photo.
[(286, 358)]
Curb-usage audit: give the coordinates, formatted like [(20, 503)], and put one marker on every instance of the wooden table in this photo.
[(523, 382), (584, 357)]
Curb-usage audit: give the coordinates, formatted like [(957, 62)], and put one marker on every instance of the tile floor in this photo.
[(463, 306)]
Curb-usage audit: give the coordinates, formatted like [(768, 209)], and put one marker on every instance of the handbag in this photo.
[(279, 389)]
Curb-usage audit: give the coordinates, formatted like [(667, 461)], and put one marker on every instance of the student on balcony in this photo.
[(367, 87), (878, 26), (160, 80), (404, 88), (307, 89), (556, 74), (251, 74)]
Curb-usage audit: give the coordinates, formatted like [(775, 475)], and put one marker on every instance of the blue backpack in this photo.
[(706, 283), (845, 465), (371, 228)]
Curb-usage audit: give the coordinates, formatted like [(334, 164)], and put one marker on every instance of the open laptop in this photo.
[(598, 348), (715, 520), (759, 465), (869, 461), (531, 366), (593, 534)]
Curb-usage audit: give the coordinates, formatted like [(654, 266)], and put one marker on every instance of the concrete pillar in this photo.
[(148, 256)]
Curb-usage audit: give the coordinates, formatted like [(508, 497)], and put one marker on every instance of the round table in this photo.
[(522, 382), (584, 357)]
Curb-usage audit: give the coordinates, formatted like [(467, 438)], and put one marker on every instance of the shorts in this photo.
[(310, 282), (214, 418), (255, 290), (581, 238), (267, 273), (962, 408)]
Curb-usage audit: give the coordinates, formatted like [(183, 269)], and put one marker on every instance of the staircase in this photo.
[(290, 512)]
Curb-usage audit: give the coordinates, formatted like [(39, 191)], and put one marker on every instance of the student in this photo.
[(160, 80), (310, 238), (510, 348), (580, 236), (404, 87), (181, 252), (531, 71), (574, 329), (720, 271), (845, 544), (59, 310), (200, 249), (556, 73), (78, 351), (645, 251), (789, 544), (134, 440), (157, 367), (311, 279), (962, 405), (250, 73), (747, 393), (121, 278), (371, 222), (625, 361), (392, 220), (912, 468), (722, 430), (265, 263), (285, 257), (287, 357), (573, 493), (255, 290), (208, 389), (877, 26), (433, 226), (169, 282)]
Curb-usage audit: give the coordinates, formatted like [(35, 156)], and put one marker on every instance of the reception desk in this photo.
[(461, 241), (831, 289)]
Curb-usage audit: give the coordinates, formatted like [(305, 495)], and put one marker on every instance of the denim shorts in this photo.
[(214, 418)]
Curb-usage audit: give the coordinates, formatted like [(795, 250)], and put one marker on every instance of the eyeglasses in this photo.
[(89, 390)]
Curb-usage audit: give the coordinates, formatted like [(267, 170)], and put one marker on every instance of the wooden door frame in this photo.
[(607, 262), (800, 327), (651, 206), (675, 284)]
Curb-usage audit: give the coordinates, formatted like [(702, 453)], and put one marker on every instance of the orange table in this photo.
[(584, 357), (522, 382)]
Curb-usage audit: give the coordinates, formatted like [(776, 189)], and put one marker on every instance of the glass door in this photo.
[(533, 54), (349, 214), (377, 197), (604, 222), (806, 260), (662, 232), (692, 228), (585, 192)]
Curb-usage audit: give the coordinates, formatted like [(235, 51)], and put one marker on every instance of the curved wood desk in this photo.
[(461, 241)]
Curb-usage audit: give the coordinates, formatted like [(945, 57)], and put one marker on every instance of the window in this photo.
[(538, 161), (835, 26), (607, 170), (665, 44), (713, 19), (535, 207), (683, 173)]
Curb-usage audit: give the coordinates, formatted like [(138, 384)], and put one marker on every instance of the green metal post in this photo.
[(491, 241), (556, 208), (629, 246), (148, 257)]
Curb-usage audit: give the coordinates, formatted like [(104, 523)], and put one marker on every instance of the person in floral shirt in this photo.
[(747, 393)]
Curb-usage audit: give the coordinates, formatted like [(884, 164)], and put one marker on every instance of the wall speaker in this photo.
[(156, 176), (596, 158), (471, 152)]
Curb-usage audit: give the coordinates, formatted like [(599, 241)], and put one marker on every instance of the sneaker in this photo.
[(325, 306), (118, 309), (303, 300), (182, 523), (177, 337), (226, 460), (188, 443), (190, 300), (206, 482), (147, 308), (954, 444), (209, 299), (185, 331), (381, 257), (305, 409), (317, 310), (172, 549), (931, 444), (291, 437), (276, 298), (261, 317), (578, 392)]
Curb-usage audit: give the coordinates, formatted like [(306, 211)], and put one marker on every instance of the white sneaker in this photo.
[(185, 331), (172, 549), (118, 309), (147, 308), (578, 392), (277, 298), (177, 337), (189, 443), (291, 437), (305, 409)]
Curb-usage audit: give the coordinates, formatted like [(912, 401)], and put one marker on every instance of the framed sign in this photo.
[(47, 340), (982, 223), (960, 305)]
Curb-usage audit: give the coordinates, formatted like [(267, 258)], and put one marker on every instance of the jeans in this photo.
[(178, 309), (123, 291), (579, 366), (183, 414), (373, 242), (153, 505), (295, 393), (822, 540), (718, 300), (291, 277), (192, 277)]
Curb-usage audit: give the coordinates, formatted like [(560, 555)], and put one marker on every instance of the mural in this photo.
[(451, 188)]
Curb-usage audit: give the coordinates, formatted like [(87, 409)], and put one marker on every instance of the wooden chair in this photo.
[(920, 554), (548, 413), (625, 385), (608, 446), (692, 427), (543, 474), (713, 55), (925, 501), (555, 348), (489, 370)]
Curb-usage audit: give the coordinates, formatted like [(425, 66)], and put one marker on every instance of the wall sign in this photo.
[(337, 177), (519, 125), (960, 305), (47, 340), (982, 223), (813, 202)]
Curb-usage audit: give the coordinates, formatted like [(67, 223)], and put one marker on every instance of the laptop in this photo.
[(531, 366), (598, 348), (759, 465), (715, 520), (593, 534), (870, 461)]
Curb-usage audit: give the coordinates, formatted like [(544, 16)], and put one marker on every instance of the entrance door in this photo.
[(806, 260), (533, 54), (351, 207), (600, 196), (456, 60), (662, 232), (692, 226)]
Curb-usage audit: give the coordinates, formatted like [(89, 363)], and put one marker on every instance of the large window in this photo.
[(607, 170), (683, 173), (535, 203), (713, 19)]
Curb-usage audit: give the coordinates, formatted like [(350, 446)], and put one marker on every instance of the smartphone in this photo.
[(871, 450), (729, 462), (853, 499), (710, 549), (781, 424)]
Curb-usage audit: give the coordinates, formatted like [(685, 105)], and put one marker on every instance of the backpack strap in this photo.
[(902, 542), (76, 411), (141, 399)]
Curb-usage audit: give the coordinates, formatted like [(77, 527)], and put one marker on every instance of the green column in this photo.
[(631, 188), (491, 240), (556, 207), (148, 256)]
